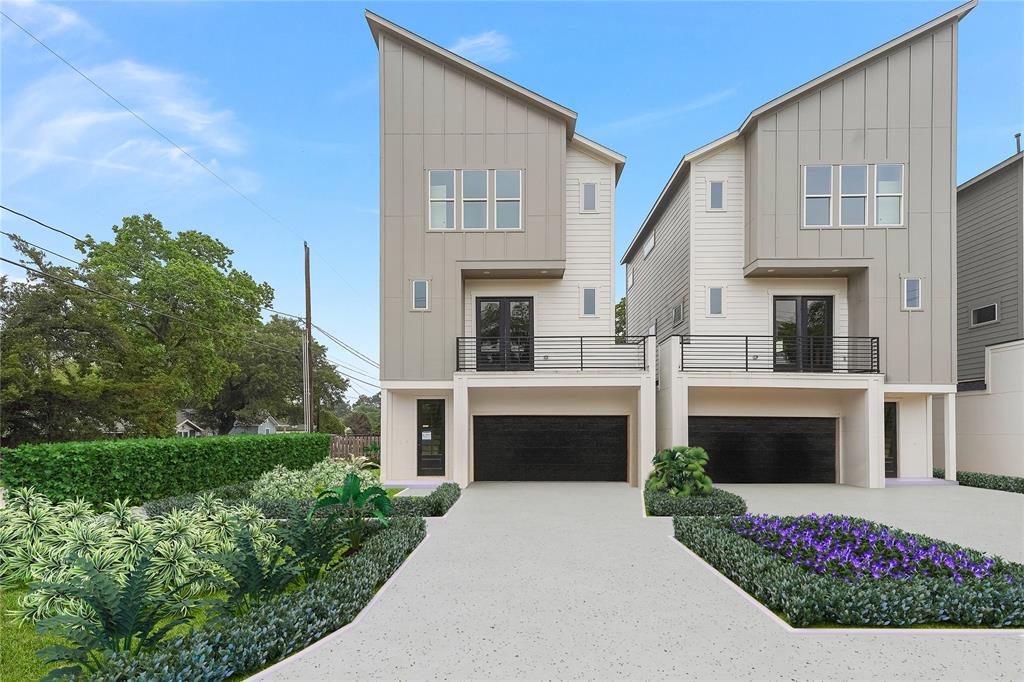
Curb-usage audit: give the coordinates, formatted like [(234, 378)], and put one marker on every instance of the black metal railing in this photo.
[(827, 354), (530, 353)]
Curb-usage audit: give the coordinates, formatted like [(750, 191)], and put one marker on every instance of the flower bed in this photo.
[(716, 503), (976, 479), (839, 570)]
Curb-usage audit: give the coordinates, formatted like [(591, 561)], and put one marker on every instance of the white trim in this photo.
[(919, 388), (805, 196), (901, 194), (427, 385), (903, 293), (994, 304), (463, 200), (707, 195), (412, 292), (597, 196), (500, 200), (707, 300), (452, 201), (864, 195)]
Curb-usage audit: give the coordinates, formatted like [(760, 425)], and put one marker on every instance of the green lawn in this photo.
[(19, 643)]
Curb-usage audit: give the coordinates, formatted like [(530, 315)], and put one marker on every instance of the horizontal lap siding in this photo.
[(990, 265)]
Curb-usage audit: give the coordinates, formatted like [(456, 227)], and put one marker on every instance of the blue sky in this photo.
[(281, 99)]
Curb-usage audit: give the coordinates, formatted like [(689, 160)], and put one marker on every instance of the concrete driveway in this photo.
[(569, 581)]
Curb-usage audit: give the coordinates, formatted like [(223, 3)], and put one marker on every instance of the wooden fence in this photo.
[(345, 446)]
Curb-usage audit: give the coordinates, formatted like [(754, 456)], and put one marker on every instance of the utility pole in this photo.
[(307, 353)]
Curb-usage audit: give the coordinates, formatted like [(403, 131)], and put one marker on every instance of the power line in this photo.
[(351, 368), (14, 237), (347, 347)]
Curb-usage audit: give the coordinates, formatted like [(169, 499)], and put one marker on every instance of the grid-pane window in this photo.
[(589, 197), (420, 294), (853, 205), (474, 200), (442, 200), (508, 192), (889, 194), (817, 196)]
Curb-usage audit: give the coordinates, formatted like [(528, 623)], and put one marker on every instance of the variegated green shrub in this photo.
[(282, 484)]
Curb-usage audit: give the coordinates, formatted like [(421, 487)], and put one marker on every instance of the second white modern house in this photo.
[(499, 359), (800, 276)]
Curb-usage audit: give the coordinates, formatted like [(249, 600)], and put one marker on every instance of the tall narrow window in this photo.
[(889, 194), (474, 200), (716, 195), (853, 206), (588, 197), (716, 301), (677, 314), (420, 294), (817, 196), (442, 200), (649, 245), (912, 297), (589, 302), (629, 275), (508, 190)]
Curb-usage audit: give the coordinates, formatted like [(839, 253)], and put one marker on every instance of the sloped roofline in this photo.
[(378, 23), (602, 152), (991, 171), (955, 14)]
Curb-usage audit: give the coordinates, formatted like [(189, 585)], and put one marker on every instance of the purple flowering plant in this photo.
[(850, 549)]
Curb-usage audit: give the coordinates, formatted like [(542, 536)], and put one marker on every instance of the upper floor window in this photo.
[(853, 205), (629, 275), (889, 194), (508, 190), (986, 314), (677, 314), (649, 245), (420, 294), (474, 200), (716, 301), (588, 197), (817, 196), (442, 200), (588, 302), (716, 195), (912, 296)]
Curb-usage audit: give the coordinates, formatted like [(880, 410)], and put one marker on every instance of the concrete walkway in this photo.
[(569, 581)]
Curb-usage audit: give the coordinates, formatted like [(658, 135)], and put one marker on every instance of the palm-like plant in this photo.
[(353, 504), (679, 471), (251, 577)]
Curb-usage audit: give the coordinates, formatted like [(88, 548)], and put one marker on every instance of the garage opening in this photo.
[(550, 448), (767, 449)]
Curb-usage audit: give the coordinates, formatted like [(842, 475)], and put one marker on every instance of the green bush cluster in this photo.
[(282, 483), (679, 470), (437, 503), (976, 479), (806, 599), (716, 503), (150, 468), (240, 644)]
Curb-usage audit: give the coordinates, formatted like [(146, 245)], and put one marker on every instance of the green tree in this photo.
[(620, 318), (166, 315)]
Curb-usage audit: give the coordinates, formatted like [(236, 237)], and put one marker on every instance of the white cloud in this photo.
[(60, 122), (655, 116), (488, 47), (45, 20)]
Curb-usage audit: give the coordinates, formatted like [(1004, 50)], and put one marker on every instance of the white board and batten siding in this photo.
[(717, 259), (589, 262)]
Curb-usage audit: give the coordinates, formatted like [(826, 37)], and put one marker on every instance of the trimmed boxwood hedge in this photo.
[(241, 644), (718, 503), (151, 468), (976, 479), (805, 598), (437, 503)]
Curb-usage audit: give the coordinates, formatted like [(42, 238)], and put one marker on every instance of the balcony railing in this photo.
[(826, 354), (530, 353)]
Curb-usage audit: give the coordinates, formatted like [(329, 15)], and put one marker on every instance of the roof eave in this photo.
[(991, 171), (606, 153)]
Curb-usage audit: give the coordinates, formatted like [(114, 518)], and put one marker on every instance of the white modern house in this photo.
[(498, 354), (800, 276)]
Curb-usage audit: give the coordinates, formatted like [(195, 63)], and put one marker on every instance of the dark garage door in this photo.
[(549, 448), (767, 449)]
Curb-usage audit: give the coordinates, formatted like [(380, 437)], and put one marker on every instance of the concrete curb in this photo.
[(1008, 632), (266, 673)]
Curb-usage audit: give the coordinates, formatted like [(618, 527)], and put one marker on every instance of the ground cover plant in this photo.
[(976, 479), (678, 485), (840, 570)]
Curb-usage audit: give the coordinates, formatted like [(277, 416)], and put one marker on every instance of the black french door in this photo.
[(430, 437), (892, 439), (802, 328), (504, 334)]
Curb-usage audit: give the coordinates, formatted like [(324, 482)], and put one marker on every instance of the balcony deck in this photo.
[(539, 353), (814, 354)]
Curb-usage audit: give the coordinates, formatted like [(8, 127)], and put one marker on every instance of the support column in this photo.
[(647, 419), (680, 405), (876, 433), (949, 433), (385, 434), (460, 425)]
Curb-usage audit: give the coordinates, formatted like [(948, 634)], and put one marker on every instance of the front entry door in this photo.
[(892, 440), (803, 333), (504, 334), (430, 437)]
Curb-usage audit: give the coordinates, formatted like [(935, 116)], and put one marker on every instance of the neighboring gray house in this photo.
[(990, 321), (265, 428), (799, 274), (498, 355)]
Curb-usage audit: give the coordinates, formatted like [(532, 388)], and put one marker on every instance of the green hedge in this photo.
[(437, 503), (237, 645), (976, 479), (805, 598), (718, 503), (150, 468)]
